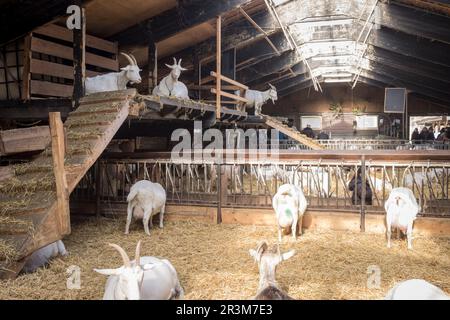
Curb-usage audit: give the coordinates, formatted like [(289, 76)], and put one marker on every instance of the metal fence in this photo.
[(368, 144), (324, 183)]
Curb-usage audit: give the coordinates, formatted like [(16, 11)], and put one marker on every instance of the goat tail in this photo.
[(133, 193)]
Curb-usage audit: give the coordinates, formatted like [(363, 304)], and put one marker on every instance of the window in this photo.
[(367, 122), (314, 121)]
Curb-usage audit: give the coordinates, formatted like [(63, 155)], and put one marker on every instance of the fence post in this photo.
[(219, 194), (363, 194), (98, 187)]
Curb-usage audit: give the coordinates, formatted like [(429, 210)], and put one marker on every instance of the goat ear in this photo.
[(288, 255), (169, 66), (254, 254), (127, 68), (109, 272)]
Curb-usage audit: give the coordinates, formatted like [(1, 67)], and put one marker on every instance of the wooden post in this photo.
[(79, 60), (363, 193), (26, 73), (62, 191), (152, 59), (197, 71), (218, 65), (98, 188)]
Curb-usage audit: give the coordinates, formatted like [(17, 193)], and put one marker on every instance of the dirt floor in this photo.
[(213, 261)]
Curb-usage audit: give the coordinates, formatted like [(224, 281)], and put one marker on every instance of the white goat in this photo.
[(42, 256), (416, 289), (151, 198), (401, 211), (145, 278), (170, 86), (289, 204), (115, 80), (258, 98), (267, 263)]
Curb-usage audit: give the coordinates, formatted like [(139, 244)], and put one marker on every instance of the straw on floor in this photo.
[(213, 261)]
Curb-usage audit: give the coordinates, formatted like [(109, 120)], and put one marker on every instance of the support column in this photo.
[(79, 60)]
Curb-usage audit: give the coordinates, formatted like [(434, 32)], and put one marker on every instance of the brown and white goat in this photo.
[(268, 261)]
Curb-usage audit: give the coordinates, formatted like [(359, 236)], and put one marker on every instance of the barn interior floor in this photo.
[(213, 261)]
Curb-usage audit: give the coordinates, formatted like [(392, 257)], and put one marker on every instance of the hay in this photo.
[(7, 252), (11, 225), (213, 261), (31, 167), (28, 184)]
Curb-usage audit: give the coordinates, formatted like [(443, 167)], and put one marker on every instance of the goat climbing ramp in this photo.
[(29, 217), (292, 133)]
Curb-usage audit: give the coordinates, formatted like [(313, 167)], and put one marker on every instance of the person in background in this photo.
[(291, 124), (430, 134), (423, 136), (308, 131), (323, 135), (415, 135), (355, 186)]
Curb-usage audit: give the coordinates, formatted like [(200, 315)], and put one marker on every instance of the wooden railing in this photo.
[(240, 100)]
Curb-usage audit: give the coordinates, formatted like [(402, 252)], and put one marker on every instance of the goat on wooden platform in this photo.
[(115, 81), (170, 86)]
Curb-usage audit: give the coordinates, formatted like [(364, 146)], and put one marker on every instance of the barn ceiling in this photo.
[(304, 43)]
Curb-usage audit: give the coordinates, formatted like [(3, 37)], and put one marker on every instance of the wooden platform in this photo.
[(173, 108), (28, 199)]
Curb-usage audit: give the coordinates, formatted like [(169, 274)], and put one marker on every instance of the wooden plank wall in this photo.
[(51, 60)]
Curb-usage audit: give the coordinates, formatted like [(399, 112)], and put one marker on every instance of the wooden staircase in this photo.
[(29, 214), (292, 133)]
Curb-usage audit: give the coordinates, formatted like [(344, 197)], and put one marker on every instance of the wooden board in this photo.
[(50, 89), (62, 33), (61, 51), (55, 69), (24, 140)]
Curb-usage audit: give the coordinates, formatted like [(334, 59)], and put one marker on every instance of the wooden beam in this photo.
[(26, 72), (62, 191), (218, 65), (24, 140), (229, 95), (79, 60), (152, 60), (230, 81), (414, 22)]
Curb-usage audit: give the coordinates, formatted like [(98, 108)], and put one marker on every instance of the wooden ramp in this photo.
[(29, 214), (292, 133)]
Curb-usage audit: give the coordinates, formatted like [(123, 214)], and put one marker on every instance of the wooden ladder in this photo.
[(292, 133)]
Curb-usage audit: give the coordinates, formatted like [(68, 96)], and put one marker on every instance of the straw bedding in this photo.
[(213, 261)]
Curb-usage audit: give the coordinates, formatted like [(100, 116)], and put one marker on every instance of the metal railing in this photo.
[(368, 144), (324, 183)]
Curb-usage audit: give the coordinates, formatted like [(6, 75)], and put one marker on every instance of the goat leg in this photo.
[(300, 225), (129, 216), (388, 235), (161, 217), (409, 235), (146, 220)]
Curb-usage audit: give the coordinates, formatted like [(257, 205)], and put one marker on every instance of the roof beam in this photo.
[(172, 21), (20, 17), (414, 22), (408, 45)]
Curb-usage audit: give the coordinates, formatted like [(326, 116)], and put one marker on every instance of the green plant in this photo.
[(337, 109)]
